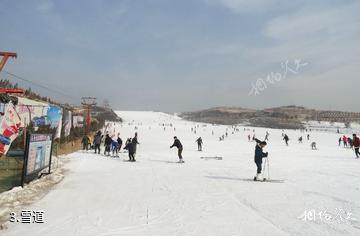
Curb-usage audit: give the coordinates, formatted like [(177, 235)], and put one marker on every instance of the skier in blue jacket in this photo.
[(114, 147), (259, 155)]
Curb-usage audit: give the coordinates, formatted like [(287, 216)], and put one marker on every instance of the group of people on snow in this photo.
[(111, 145), (347, 141), (353, 143)]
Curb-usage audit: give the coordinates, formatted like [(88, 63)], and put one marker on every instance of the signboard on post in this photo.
[(37, 155), (54, 116), (67, 116), (9, 127), (78, 121)]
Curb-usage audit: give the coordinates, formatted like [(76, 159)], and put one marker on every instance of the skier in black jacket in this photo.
[(179, 146), (286, 138), (135, 142), (199, 143), (107, 144), (259, 155), (130, 147), (97, 141)]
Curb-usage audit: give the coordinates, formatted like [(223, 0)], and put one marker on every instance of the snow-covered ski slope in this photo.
[(156, 196)]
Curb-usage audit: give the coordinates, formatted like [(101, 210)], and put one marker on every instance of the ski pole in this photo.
[(267, 161), (263, 172), (176, 150)]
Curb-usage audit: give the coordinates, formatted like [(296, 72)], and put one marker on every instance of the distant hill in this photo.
[(106, 114), (285, 117)]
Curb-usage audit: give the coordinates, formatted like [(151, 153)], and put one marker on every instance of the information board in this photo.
[(38, 153)]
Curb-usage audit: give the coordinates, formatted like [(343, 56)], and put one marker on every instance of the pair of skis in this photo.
[(268, 180)]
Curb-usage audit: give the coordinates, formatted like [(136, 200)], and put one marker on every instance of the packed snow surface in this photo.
[(204, 196)]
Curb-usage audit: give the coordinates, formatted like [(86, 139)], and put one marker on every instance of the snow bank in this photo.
[(17, 197)]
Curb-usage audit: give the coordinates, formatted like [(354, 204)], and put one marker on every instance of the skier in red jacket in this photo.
[(356, 144), (345, 141)]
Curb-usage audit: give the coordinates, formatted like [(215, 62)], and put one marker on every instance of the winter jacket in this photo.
[(177, 144), (97, 139), (130, 148), (259, 154), (119, 141), (85, 140), (134, 142), (108, 141), (114, 144), (356, 142)]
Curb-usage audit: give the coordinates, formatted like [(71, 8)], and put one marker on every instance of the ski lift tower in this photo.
[(88, 103), (5, 56)]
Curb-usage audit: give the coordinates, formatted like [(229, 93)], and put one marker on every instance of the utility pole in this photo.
[(88, 103)]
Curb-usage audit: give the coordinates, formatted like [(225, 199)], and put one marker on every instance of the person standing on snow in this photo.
[(127, 142), (114, 147), (130, 147), (107, 145), (199, 143), (356, 144), (300, 139), (135, 143), (259, 155), (350, 141), (286, 138), (345, 141), (85, 142), (179, 146), (97, 141)]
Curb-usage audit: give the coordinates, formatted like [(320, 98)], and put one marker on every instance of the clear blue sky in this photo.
[(181, 55)]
